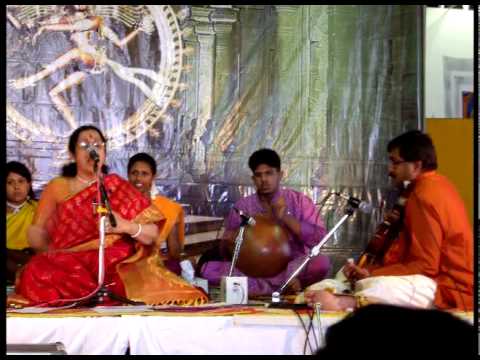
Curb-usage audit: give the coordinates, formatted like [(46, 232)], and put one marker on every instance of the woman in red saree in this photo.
[(65, 235)]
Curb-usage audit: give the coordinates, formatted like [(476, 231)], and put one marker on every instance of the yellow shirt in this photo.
[(17, 226)]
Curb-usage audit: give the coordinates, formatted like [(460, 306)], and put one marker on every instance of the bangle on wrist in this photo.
[(138, 232)]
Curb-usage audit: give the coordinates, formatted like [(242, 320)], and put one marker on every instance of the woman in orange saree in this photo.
[(142, 169), (65, 235)]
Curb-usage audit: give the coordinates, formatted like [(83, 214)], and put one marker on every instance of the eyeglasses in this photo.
[(84, 145), (396, 162)]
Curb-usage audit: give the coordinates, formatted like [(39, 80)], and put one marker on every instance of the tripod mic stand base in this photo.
[(279, 304), (105, 297), (275, 297), (286, 305)]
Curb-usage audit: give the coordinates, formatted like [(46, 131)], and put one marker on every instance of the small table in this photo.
[(201, 233)]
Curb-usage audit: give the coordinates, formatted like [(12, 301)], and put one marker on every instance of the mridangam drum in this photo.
[(265, 250)]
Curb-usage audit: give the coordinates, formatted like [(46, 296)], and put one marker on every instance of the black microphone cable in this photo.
[(307, 340), (312, 327)]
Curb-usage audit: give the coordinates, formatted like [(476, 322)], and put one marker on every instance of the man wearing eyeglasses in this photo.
[(429, 263)]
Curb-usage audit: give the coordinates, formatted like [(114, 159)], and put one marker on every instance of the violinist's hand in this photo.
[(392, 216), (354, 272), (325, 298)]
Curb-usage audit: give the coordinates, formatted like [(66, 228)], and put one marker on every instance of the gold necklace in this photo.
[(87, 182)]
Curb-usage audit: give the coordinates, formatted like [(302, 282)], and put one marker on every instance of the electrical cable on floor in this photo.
[(305, 330)]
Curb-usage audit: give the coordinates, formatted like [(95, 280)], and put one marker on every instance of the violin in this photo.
[(265, 250), (387, 231), (385, 235)]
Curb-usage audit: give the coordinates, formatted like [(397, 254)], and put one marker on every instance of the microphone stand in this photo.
[(238, 244), (102, 209), (231, 287), (352, 205)]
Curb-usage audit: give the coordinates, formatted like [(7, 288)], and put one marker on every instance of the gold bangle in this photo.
[(138, 232), (361, 301)]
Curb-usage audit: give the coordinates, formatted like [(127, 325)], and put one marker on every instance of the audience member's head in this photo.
[(387, 331)]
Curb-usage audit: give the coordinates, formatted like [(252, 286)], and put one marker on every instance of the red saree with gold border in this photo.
[(69, 269)]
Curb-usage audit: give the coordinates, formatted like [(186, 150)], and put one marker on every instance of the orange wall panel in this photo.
[(453, 139)]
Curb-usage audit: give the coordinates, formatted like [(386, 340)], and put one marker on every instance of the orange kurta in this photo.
[(436, 241)]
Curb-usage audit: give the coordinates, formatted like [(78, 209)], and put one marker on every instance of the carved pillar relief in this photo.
[(290, 66), (226, 80), (257, 72), (223, 20), (316, 108), (213, 27), (205, 34)]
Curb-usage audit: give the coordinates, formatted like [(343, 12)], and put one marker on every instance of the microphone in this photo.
[(363, 206), (92, 152), (248, 220)]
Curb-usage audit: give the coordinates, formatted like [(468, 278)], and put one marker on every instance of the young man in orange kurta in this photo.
[(436, 238)]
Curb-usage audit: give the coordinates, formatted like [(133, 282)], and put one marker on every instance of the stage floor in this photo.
[(208, 329)]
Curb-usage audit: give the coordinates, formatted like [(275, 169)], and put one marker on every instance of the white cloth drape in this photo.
[(243, 334), (80, 335), (220, 335)]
